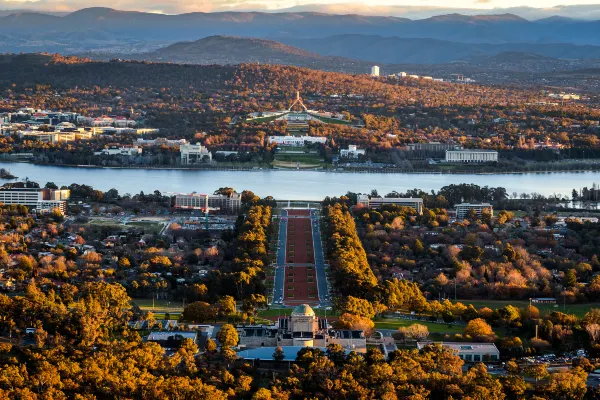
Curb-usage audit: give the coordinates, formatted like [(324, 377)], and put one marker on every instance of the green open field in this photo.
[(261, 120), (313, 158), (388, 323), (330, 120), (276, 312), (159, 305), (149, 227), (576, 309)]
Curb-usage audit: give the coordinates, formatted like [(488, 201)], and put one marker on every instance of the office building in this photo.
[(471, 156), (375, 70), (39, 200), (378, 202), (469, 352), (194, 153), (352, 152), (196, 201), (462, 210), (56, 137), (120, 151), (296, 140), (301, 329)]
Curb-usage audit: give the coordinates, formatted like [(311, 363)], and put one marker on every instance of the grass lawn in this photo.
[(385, 323), (149, 227), (303, 157), (576, 309), (331, 120), (160, 304), (275, 312)]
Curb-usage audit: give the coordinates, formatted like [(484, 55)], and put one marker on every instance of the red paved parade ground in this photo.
[(300, 281)]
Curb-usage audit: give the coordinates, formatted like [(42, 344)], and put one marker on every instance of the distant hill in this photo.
[(230, 50), (394, 50), (108, 29)]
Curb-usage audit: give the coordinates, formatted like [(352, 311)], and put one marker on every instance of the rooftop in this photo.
[(303, 310), (471, 151), (463, 347)]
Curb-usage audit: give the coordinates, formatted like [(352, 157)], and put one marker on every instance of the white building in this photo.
[(194, 153), (40, 200), (296, 140), (462, 210), (351, 152), (471, 155), (55, 137), (120, 151), (375, 70), (196, 201), (378, 202), (469, 352), (401, 74), (161, 142)]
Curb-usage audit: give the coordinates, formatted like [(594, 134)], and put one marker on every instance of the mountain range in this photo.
[(394, 50), (357, 53), (105, 28)]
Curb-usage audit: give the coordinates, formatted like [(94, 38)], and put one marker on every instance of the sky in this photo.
[(531, 9)]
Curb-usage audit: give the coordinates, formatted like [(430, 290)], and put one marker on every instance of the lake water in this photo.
[(297, 185)]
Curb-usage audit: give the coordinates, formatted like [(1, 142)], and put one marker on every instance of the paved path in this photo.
[(280, 259), (321, 276), (319, 257)]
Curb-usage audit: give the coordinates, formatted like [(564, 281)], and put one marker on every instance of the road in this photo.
[(278, 285), (319, 257)]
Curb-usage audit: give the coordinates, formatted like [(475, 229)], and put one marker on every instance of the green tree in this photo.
[(357, 306), (570, 278), (278, 355), (478, 329), (228, 335), (199, 311)]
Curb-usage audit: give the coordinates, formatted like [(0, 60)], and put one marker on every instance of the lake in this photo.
[(297, 185)]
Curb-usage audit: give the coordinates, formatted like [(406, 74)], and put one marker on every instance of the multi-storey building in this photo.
[(462, 210), (471, 155), (378, 202), (352, 152), (296, 140), (198, 201), (375, 70), (193, 153), (40, 200), (120, 151)]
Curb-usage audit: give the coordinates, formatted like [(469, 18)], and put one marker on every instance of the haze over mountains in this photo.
[(310, 39), (95, 27)]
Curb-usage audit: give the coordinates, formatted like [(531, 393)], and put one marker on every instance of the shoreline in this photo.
[(333, 170), (325, 170)]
